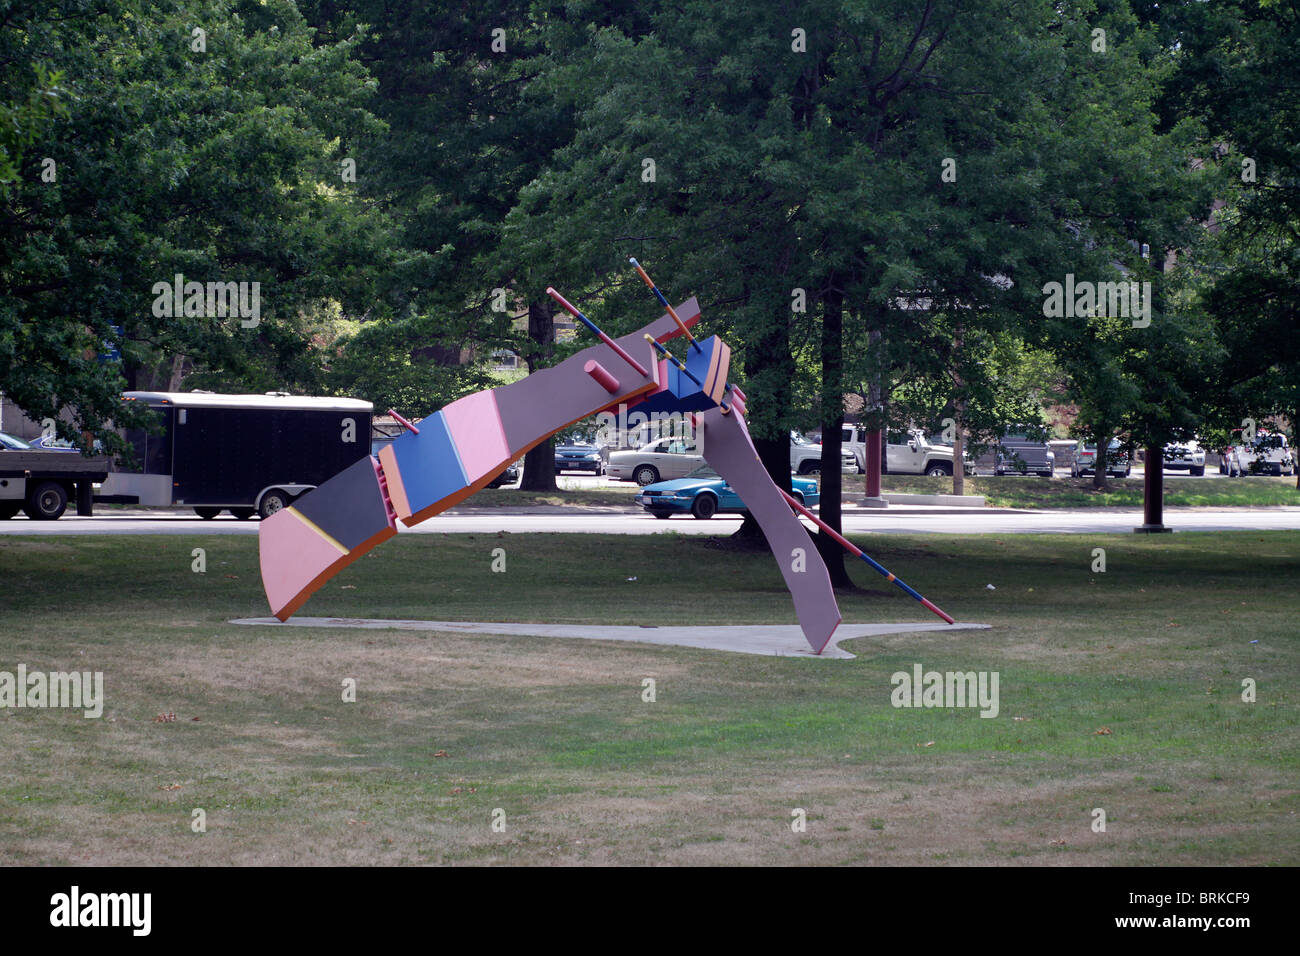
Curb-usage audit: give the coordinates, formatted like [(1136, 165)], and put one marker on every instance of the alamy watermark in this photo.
[(79, 690), (215, 300), (129, 910), (1116, 300), (627, 428), (947, 689)]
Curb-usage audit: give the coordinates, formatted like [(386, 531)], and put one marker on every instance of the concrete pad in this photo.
[(949, 501), (777, 640)]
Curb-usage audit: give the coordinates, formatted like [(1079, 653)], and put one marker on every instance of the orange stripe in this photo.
[(392, 475)]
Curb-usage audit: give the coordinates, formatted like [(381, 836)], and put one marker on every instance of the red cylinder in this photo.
[(597, 371)]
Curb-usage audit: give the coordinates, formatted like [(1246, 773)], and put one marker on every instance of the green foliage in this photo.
[(218, 164)]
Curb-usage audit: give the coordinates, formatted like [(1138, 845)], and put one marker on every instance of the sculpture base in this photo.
[(778, 640)]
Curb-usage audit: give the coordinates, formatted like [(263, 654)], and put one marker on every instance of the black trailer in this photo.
[(249, 454)]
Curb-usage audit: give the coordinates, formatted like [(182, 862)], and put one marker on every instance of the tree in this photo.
[(1238, 68), (202, 140)]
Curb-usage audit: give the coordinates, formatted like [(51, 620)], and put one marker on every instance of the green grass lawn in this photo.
[(1118, 690), (1012, 492), (1034, 493)]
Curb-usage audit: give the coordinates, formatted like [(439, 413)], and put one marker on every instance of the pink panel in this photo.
[(292, 557), (475, 426)]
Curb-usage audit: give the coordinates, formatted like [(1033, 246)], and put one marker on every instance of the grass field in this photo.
[(1016, 492), (1066, 492), (1119, 690)]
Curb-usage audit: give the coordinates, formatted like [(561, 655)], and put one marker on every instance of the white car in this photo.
[(908, 452), (806, 456), (660, 460), (1185, 455), (1268, 454)]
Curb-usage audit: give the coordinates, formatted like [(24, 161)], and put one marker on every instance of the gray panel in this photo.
[(728, 448), (551, 398), (349, 507)]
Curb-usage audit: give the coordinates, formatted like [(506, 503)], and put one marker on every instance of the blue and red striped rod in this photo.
[(660, 296), (577, 314), (849, 546)]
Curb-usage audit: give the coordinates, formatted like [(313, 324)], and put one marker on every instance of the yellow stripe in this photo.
[(318, 529), (713, 387)]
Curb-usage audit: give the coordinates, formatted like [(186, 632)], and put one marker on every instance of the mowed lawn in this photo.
[(1119, 690)]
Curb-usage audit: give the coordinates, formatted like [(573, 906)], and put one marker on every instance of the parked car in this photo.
[(907, 452), (54, 443), (508, 477), (704, 493), (1268, 454), (1118, 463), (658, 460), (578, 456), (1186, 456), (1021, 451)]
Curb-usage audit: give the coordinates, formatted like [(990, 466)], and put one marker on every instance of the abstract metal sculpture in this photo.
[(458, 450)]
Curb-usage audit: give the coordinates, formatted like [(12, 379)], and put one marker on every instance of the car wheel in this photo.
[(8, 509), (207, 514), (810, 468), (46, 502), (273, 501), (938, 471), (645, 475), (662, 514), (243, 514), (704, 507), (1197, 472), (998, 472)]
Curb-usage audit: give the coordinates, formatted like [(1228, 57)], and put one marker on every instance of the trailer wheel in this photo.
[(46, 502), (8, 509), (207, 514), (273, 501), (243, 514)]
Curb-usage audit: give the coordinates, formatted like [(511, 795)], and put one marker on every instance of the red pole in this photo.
[(854, 550), (872, 464)]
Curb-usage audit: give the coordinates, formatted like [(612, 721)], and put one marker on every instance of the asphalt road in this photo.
[(895, 520)]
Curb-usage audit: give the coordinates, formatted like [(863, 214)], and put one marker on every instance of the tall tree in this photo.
[(201, 140)]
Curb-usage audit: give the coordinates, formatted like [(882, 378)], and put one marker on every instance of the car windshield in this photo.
[(704, 471), (798, 439), (12, 443)]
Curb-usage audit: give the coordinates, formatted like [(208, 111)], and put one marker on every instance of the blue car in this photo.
[(704, 493)]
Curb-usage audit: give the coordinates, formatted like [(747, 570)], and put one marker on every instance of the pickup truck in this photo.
[(1268, 454), (907, 452), (1021, 452), (806, 456), (40, 482)]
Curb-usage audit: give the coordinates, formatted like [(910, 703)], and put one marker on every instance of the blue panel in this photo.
[(430, 467)]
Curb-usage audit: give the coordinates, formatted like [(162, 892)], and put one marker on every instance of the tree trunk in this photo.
[(770, 369), (177, 376), (958, 452), (1099, 463), (539, 462), (1153, 488), (832, 422)]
